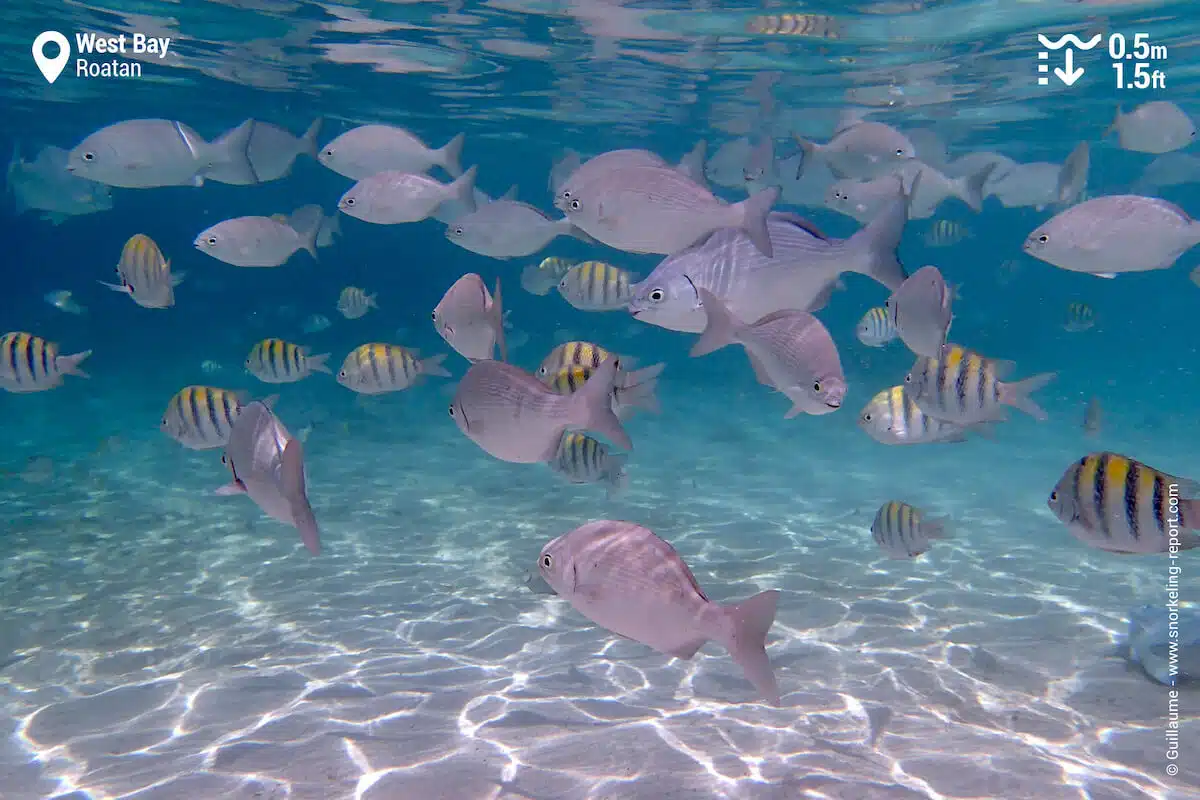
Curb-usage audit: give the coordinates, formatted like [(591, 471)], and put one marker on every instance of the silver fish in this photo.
[(512, 416), (802, 275), (391, 198), (271, 152), (268, 466), (789, 350), (645, 209), (864, 150), (44, 185), (145, 153), (569, 174), (370, 149), (506, 228), (1115, 233), (1157, 127), (255, 241), (627, 580), (471, 320), (919, 310)]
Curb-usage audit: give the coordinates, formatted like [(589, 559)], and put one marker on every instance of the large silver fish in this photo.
[(627, 580), (801, 275), (268, 466)]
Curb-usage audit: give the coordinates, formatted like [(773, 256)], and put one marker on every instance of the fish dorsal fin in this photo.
[(687, 572), (799, 222), (775, 316), (511, 194)]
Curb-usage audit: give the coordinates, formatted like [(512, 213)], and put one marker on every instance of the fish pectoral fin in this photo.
[(686, 650), (1109, 275), (116, 287), (235, 487)]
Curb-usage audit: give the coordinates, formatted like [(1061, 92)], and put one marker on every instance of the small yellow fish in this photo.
[(201, 417), (145, 274), (1080, 317), (945, 233), (597, 286), (582, 459), (902, 531), (378, 368), (541, 278), (814, 26), (569, 366), (277, 361), (29, 363), (354, 302)]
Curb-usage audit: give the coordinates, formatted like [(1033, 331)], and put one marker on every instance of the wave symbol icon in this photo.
[(1070, 39)]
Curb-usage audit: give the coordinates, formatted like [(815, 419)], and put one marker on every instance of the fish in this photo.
[(513, 417), (903, 531), (316, 323), (801, 276), (789, 350), (927, 188), (354, 303), (370, 149), (63, 300), (875, 329), (44, 185), (946, 233), (893, 418), (645, 209), (1158, 127), (582, 459), (277, 361), (256, 241), (1115, 503), (392, 198), (1164, 642), (864, 150), (863, 200), (1108, 235), (569, 174), (624, 578), (1169, 169), (812, 26), (271, 152), (306, 217), (208, 366), (506, 228), (377, 368), (267, 465), (963, 387), (145, 274), (1080, 318), (1035, 185), (201, 417), (543, 277), (29, 363), (471, 320), (919, 310), (1093, 417), (597, 286), (569, 365), (147, 153)]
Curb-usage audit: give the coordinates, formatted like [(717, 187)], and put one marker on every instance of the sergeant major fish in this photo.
[(145, 274), (582, 459), (597, 286), (378, 368), (627, 580), (543, 277), (201, 417), (965, 388), (29, 363), (893, 418), (875, 329), (277, 361), (569, 365), (903, 531)]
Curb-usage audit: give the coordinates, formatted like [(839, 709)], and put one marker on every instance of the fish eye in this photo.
[(433, 316), (451, 409), (547, 561), (566, 195), (1053, 496), (817, 386), (342, 374), (866, 417), (458, 231), (328, 152), (899, 151), (1043, 238), (543, 370), (89, 156), (349, 201), (211, 241), (575, 205), (657, 295), (908, 378)]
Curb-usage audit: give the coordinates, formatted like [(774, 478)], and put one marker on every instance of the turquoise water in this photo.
[(159, 642)]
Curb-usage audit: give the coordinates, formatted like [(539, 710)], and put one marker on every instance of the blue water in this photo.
[(159, 642)]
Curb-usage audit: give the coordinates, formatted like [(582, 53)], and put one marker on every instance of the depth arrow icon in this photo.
[(1069, 73)]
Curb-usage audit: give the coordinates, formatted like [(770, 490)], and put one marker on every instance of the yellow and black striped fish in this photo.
[(1115, 503), (813, 26), (893, 418), (1080, 317), (577, 354), (597, 286), (277, 361), (201, 417), (540, 278), (876, 329), (582, 459), (569, 365), (145, 274), (378, 368), (29, 363), (964, 388), (902, 531), (946, 233)]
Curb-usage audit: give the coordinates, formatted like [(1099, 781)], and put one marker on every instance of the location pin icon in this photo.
[(51, 67)]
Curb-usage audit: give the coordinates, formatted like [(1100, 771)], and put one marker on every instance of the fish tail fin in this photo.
[(497, 319), (879, 240), (754, 210), (308, 142), (433, 366), (692, 164), (292, 478), (317, 363), (69, 365), (562, 169), (1017, 394), (936, 527), (973, 187), (373, 300), (450, 156), (808, 148), (637, 389), (463, 188), (177, 276), (746, 640), (592, 405), (615, 475), (232, 149), (719, 330)]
